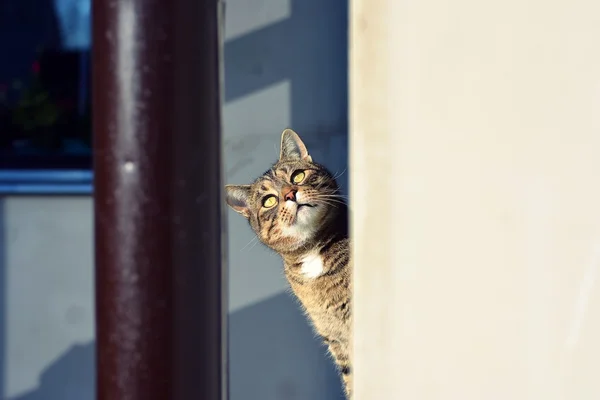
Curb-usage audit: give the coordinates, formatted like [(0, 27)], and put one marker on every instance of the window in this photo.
[(45, 113)]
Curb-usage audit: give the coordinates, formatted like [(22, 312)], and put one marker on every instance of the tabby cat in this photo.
[(295, 209)]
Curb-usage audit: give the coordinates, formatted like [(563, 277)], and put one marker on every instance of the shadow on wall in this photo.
[(260, 347), (309, 49), (260, 365), (71, 377)]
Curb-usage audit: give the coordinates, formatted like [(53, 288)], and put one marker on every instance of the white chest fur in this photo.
[(312, 265)]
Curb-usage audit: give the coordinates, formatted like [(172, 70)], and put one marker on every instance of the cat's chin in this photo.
[(305, 215), (303, 226)]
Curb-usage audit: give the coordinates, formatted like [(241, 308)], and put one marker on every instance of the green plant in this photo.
[(35, 109)]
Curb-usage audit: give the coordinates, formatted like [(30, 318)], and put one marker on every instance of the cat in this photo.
[(295, 209)]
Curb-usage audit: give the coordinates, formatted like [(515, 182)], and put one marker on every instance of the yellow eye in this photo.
[(299, 177), (269, 202)]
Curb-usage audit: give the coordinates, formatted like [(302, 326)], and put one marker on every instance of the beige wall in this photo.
[(475, 158)]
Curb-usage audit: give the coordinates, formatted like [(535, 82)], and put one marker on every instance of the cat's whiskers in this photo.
[(254, 239), (337, 191), (334, 196), (330, 198), (319, 186), (327, 202), (336, 176), (254, 244)]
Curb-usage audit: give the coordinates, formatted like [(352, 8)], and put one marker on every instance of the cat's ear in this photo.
[(292, 148), (237, 198)]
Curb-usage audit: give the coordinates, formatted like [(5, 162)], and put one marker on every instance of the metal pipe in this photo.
[(158, 205)]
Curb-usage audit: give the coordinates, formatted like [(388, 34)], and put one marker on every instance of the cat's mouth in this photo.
[(304, 213)]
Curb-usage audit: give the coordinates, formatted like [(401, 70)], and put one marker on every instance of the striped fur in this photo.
[(296, 210)]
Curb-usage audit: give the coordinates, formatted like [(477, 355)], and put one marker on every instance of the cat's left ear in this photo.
[(292, 147), (237, 198)]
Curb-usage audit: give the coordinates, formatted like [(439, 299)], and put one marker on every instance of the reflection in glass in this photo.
[(74, 22)]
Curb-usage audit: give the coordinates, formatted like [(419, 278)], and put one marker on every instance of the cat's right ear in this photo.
[(237, 198), (292, 147)]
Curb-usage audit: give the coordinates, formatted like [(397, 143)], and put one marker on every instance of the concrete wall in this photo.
[(46, 311), (285, 67), (481, 281)]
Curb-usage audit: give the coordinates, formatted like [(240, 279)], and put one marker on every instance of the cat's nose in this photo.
[(291, 195)]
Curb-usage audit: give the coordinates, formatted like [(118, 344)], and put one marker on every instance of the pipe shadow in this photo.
[(70, 377), (310, 51)]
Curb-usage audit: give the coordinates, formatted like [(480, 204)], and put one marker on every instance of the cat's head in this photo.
[(291, 203)]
